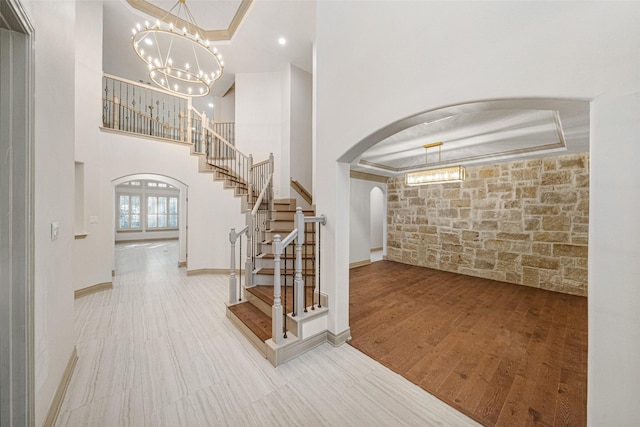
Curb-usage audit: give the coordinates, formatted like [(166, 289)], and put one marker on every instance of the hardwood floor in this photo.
[(505, 355), (158, 350)]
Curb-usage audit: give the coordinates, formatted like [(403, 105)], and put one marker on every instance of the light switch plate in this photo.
[(93, 220), (54, 230)]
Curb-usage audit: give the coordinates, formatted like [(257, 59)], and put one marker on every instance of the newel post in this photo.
[(233, 288), (298, 282), (276, 309)]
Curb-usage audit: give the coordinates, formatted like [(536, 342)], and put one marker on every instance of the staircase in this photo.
[(254, 314), (280, 308), (283, 319)]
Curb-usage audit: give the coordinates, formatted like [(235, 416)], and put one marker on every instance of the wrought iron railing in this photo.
[(133, 107), (299, 237), (136, 108)]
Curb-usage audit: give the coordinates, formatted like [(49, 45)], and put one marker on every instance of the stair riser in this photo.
[(270, 235), (307, 264), (267, 248), (285, 204), (288, 215), (253, 339), (267, 279), (284, 216), (282, 224)]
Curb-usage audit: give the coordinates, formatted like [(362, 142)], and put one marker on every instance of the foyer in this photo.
[(158, 350)]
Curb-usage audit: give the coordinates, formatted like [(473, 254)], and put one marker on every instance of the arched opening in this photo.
[(487, 234), (377, 224), (147, 199)]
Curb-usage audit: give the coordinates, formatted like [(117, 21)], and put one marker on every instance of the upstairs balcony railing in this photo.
[(137, 108)]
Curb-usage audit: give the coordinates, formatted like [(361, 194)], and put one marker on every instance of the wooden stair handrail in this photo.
[(261, 196), (216, 134), (306, 195)]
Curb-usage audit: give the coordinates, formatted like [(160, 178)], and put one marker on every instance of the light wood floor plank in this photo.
[(158, 350)]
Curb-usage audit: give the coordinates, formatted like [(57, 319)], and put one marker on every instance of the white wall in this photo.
[(579, 50), (211, 210), (95, 266), (259, 122), (55, 34), (225, 106), (360, 219), (378, 216), (300, 127), (273, 115), (614, 318)]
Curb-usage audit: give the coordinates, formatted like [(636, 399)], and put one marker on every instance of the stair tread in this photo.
[(265, 293), (258, 322)]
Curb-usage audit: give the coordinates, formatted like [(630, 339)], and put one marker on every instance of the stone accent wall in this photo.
[(524, 222)]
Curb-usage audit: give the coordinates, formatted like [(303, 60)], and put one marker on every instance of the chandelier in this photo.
[(434, 176), (178, 57)]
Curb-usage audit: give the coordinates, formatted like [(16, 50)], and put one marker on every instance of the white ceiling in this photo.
[(472, 134), (254, 47)]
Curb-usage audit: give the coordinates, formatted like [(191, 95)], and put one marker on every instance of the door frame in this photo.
[(17, 83)]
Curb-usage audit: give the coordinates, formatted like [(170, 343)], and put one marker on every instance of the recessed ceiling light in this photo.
[(282, 40), (211, 104)]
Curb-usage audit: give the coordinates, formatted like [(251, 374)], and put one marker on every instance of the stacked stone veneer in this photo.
[(523, 222)]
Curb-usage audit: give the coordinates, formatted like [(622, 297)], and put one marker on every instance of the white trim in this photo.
[(17, 405)]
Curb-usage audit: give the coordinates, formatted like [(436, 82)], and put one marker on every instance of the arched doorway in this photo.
[(182, 207)]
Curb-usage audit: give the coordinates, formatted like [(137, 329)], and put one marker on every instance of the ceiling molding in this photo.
[(368, 176), (238, 17), (500, 156), (225, 34), (231, 88)]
